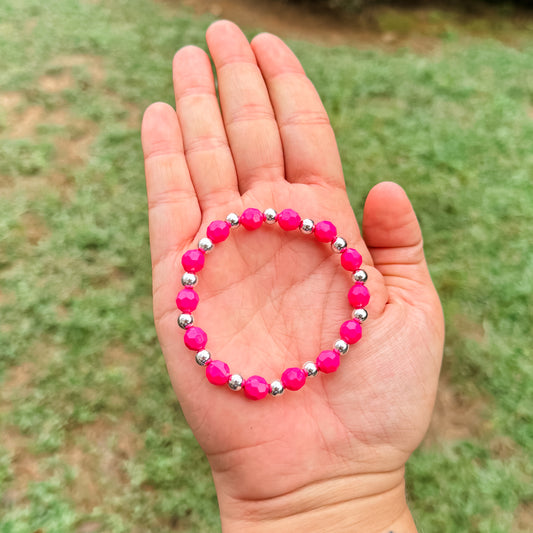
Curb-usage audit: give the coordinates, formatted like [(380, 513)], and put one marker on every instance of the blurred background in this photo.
[(435, 96)]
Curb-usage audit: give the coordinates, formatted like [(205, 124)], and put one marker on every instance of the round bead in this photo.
[(189, 279), (359, 276), (205, 244), (276, 388), (293, 378), (325, 231), (339, 245), (351, 331), (185, 320), (217, 372), (195, 338), (311, 369), (235, 382), (307, 226), (203, 357), (256, 388), (251, 218), (187, 300), (341, 346), (289, 220), (218, 231), (270, 215), (360, 315), (358, 296), (351, 259), (233, 220), (328, 361), (193, 260)]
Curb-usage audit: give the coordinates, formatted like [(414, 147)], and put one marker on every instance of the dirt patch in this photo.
[(99, 453), (455, 416), (60, 75), (524, 518), (421, 29), (25, 467), (34, 228), (56, 83), (470, 329)]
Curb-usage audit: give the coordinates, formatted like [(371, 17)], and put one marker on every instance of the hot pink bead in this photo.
[(217, 372), (218, 231), (193, 260), (328, 361), (251, 218), (325, 231), (351, 331), (195, 338), (256, 387), (358, 296), (187, 300), (351, 259), (289, 219), (293, 378)]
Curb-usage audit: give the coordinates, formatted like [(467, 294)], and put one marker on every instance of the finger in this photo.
[(248, 115), (206, 147), (394, 239), (173, 211), (309, 146)]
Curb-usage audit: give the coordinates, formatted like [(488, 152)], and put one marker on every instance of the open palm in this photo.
[(271, 299)]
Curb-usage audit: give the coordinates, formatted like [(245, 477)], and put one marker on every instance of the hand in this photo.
[(271, 300)]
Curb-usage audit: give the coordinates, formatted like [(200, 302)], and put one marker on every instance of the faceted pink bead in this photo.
[(256, 387), (293, 378), (195, 338), (218, 230), (328, 361), (193, 260), (358, 296), (251, 218), (289, 219), (351, 259), (187, 300), (217, 372), (351, 331), (325, 231)]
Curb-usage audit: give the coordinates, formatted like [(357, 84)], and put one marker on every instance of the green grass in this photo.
[(92, 437)]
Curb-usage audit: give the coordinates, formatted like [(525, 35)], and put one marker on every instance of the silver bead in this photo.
[(189, 279), (203, 357), (270, 215), (235, 382), (233, 220), (276, 388), (310, 368), (360, 315), (339, 245), (307, 226), (341, 346), (360, 276), (205, 244), (185, 320)]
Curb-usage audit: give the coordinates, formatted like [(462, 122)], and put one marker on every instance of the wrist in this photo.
[(370, 503)]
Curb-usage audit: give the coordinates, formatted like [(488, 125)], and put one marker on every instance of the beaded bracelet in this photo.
[(256, 387)]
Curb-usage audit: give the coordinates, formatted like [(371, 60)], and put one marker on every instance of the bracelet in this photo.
[(195, 338)]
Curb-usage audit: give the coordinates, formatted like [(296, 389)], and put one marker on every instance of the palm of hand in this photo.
[(271, 300)]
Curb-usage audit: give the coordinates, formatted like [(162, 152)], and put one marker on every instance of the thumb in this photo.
[(394, 239)]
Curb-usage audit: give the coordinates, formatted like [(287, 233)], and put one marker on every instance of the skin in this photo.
[(330, 457)]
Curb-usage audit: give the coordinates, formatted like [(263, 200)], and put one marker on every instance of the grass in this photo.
[(92, 437)]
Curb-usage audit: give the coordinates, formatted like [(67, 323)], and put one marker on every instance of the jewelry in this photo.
[(256, 387)]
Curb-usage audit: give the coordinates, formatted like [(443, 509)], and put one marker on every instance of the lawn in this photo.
[(92, 438)]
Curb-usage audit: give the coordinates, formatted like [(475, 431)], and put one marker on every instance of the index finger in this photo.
[(309, 145)]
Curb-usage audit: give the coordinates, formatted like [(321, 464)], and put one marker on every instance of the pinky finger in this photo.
[(173, 210)]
